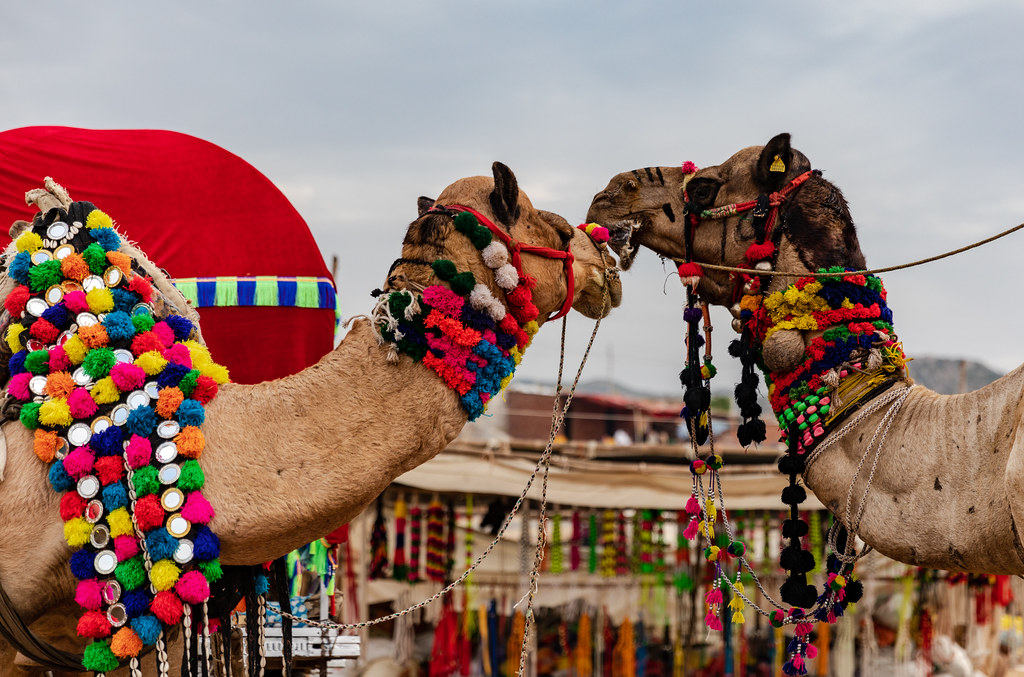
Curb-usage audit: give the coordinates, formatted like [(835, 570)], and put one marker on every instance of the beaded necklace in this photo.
[(115, 397)]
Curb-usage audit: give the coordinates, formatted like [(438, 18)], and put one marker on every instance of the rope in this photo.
[(871, 271)]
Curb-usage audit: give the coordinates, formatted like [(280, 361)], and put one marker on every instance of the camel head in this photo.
[(814, 229), (434, 236)]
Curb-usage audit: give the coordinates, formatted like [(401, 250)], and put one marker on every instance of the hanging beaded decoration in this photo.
[(415, 541), (399, 566), (115, 397)]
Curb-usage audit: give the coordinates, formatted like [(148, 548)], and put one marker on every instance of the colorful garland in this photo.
[(467, 336), (116, 399)]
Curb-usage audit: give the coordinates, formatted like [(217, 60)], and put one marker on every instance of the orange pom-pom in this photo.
[(121, 260), (94, 336), (74, 267), (190, 441), (125, 643), (45, 444), (59, 384), (169, 400)]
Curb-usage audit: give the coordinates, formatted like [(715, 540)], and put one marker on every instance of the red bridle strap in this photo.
[(515, 249)]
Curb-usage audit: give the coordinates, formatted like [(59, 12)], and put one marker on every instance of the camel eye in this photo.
[(703, 192), (631, 185)]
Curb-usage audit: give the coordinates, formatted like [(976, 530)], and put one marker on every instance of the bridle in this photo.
[(516, 249)]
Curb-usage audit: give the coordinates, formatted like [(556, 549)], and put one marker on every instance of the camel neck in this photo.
[(289, 460)]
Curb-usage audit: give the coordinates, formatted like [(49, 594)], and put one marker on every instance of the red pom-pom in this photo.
[(71, 506), (109, 469), (94, 624), (44, 330), (760, 252), (142, 287), (689, 168), (690, 273), (167, 607), (519, 296), (205, 390), (145, 342), (149, 514), (16, 300)]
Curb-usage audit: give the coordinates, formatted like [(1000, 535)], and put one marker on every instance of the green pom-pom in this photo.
[(143, 322), (444, 269), (463, 283), (38, 362), (480, 237), (192, 477), (44, 275), (398, 302), (99, 658), (146, 481), (96, 257), (188, 382), (212, 570), (30, 415), (98, 362), (465, 222), (131, 573)]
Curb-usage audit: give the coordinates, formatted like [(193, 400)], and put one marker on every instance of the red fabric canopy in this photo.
[(196, 210)]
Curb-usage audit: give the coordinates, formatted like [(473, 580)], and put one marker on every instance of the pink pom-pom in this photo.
[(164, 333), (713, 621), (17, 387), (127, 377), (178, 354), (192, 587), (58, 359), (139, 452), (76, 302), (714, 596), (89, 594), (79, 462), (81, 404), (798, 663), (691, 530), (812, 652), (692, 505), (803, 628), (197, 509), (689, 168), (125, 547)]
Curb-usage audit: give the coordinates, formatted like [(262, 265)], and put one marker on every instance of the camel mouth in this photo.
[(623, 239)]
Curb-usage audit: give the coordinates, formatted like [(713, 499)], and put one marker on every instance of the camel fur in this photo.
[(948, 492), (289, 460)]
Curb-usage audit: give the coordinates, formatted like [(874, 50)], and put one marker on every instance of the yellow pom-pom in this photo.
[(13, 332), (517, 356), (120, 522), (105, 392), (28, 242), (164, 574), (98, 219), (76, 532), (100, 300), (55, 412), (152, 362), (75, 349), (202, 361), (218, 372), (531, 327)]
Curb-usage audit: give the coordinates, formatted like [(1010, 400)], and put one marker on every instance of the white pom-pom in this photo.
[(495, 254), (480, 298), (506, 277), (496, 310)]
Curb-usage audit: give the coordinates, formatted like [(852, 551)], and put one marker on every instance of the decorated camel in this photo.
[(284, 461), (927, 479)]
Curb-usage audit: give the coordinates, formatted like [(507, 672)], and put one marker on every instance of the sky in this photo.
[(355, 109)]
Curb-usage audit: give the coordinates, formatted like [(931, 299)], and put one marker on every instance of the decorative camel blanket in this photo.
[(115, 396)]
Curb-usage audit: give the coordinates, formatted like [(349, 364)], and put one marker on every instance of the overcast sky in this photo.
[(354, 109)]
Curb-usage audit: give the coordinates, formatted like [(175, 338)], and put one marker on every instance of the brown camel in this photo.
[(287, 461), (948, 486)]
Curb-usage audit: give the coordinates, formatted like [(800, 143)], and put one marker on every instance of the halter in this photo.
[(517, 248)]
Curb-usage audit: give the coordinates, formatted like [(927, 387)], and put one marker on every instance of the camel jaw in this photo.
[(622, 239)]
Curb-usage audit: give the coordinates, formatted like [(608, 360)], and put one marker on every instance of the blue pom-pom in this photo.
[(191, 412), (206, 545), (16, 364), (20, 265), (57, 315), (261, 584), (160, 544), (171, 375), (181, 326), (110, 442), (114, 496), (118, 325), (124, 299), (82, 564), (142, 421), (107, 238), (136, 602), (148, 628), (60, 480)]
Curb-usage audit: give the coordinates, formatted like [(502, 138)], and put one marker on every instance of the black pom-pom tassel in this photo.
[(794, 529), (794, 495)]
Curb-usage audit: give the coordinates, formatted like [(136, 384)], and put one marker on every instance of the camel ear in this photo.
[(18, 227), (774, 164), (505, 196), (423, 203)]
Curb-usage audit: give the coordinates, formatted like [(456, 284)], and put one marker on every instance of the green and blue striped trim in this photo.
[(259, 290)]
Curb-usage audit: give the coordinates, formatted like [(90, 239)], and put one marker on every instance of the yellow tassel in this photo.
[(100, 300), (55, 413), (98, 219), (737, 617), (712, 512)]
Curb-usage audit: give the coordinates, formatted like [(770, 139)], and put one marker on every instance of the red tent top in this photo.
[(198, 211)]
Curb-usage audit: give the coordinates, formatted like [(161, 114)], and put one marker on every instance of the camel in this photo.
[(948, 489), (289, 460)]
